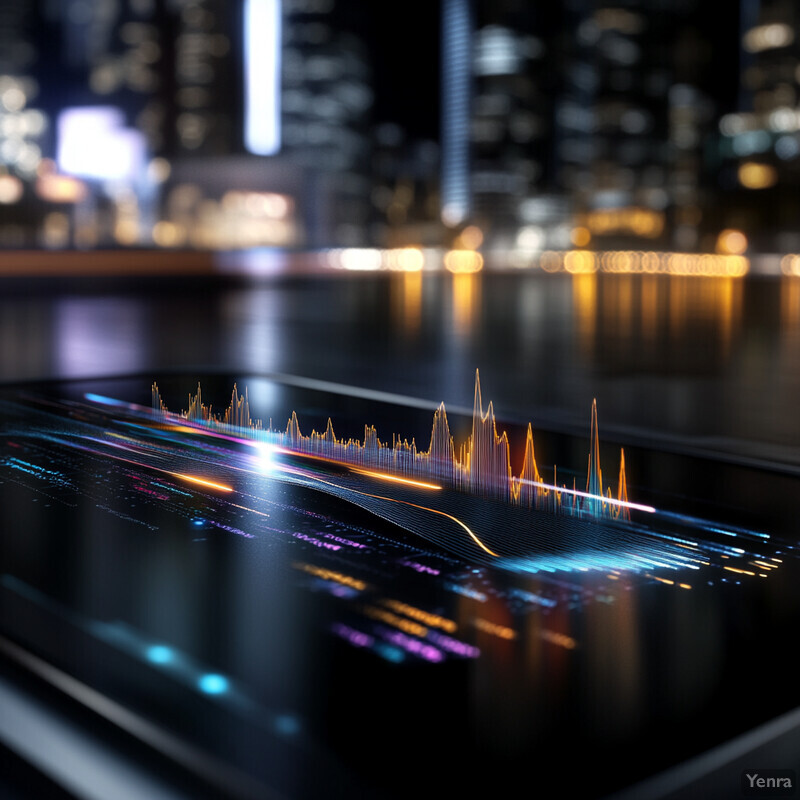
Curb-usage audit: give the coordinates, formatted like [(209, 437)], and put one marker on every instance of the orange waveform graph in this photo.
[(480, 465)]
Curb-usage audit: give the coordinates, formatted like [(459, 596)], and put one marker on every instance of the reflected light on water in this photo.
[(729, 294), (466, 292), (632, 311), (649, 307), (254, 318), (95, 338), (790, 305), (584, 306), (407, 301), (626, 305)]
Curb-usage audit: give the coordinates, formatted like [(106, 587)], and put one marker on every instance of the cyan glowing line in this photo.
[(651, 561), (262, 61), (724, 549), (609, 500), (686, 542), (736, 533), (108, 401), (708, 526)]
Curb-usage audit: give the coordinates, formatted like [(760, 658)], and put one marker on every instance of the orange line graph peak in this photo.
[(481, 464)]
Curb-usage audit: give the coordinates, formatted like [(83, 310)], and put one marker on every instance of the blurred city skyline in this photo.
[(639, 126)]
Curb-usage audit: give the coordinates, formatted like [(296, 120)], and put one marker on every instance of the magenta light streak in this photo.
[(453, 645), (411, 645), (356, 638), (419, 567)]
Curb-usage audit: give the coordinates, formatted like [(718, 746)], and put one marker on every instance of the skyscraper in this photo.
[(589, 115), (23, 123), (759, 144), (629, 124), (457, 28)]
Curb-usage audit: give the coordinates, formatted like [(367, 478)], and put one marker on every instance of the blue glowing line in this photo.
[(678, 539), (708, 526), (262, 67), (723, 549), (106, 401), (170, 488), (736, 532), (720, 530)]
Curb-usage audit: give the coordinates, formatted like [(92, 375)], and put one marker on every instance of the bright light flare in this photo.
[(266, 458)]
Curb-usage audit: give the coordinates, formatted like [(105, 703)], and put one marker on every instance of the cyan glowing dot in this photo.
[(213, 684), (390, 653), (197, 521), (159, 654), (287, 725)]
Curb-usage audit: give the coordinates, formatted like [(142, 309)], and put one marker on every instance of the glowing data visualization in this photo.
[(467, 498), (481, 465), (399, 597)]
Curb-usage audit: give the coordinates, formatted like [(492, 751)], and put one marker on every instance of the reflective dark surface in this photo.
[(713, 362), (613, 676), (287, 628)]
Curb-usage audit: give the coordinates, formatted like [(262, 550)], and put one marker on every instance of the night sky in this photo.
[(404, 47)]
